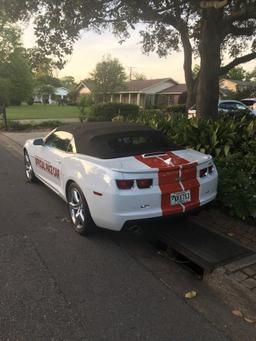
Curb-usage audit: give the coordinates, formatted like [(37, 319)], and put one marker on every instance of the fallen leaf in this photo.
[(230, 234), (237, 313), (247, 319), (190, 294)]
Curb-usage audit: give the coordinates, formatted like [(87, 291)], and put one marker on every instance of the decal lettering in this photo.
[(47, 167)]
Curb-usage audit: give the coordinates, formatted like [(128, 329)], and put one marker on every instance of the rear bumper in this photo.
[(108, 219), (116, 210), (164, 219)]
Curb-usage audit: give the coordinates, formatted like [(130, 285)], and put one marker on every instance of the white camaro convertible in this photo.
[(115, 174)]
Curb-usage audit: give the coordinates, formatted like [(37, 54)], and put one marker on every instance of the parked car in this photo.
[(233, 105), (115, 174), (226, 106), (250, 103)]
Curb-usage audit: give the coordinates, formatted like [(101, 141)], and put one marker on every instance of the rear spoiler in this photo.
[(143, 171)]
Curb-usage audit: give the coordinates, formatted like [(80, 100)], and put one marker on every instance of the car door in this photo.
[(55, 149)]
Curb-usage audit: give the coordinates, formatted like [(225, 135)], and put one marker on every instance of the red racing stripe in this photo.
[(175, 174)]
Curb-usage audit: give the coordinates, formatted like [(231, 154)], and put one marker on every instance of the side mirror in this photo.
[(38, 142)]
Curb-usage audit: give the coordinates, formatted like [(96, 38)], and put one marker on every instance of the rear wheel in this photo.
[(29, 173), (79, 211)]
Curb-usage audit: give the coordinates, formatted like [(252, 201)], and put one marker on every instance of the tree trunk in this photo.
[(3, 112), (208, 82), (187, 66)]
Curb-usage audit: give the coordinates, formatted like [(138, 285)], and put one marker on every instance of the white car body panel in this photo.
[(111, 207)]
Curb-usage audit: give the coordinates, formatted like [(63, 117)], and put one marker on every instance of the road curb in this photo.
[(241, 264)]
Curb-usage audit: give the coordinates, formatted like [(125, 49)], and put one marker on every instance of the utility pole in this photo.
[(131, 72)]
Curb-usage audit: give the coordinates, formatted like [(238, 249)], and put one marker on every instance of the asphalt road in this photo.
[(57, 285)]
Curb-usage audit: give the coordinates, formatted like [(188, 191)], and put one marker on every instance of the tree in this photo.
[(15, 75), (44, 91), (237, 73), (251, 76), (207, 29), (139, 76), (41, 65), (68, 82), (109, 76), (18, 73)]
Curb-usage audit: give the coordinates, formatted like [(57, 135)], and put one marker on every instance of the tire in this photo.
[(79, 211), (29, 173)]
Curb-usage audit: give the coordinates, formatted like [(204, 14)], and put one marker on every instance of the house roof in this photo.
[(135, 85), (175, 89), (239, 82), (89, 83), (139, 85)]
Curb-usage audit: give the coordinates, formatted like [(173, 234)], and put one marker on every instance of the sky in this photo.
[(91, 47)]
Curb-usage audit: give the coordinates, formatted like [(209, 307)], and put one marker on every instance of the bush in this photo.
[(30, 101), (106, 111), (177, 108), (84, 104), (17, 126), (237, 184)]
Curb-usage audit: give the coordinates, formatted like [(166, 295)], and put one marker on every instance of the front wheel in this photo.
[(79, 211), (29, 173)]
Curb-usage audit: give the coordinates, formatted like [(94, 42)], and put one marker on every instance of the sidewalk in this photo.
[(236, 282), (21, 137), (40, 120)]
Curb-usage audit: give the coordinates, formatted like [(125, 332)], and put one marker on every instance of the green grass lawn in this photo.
[(41, 111)]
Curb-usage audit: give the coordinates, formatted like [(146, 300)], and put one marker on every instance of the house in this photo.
[(59, 95), (235, 85), (145, 93), (86, 87)]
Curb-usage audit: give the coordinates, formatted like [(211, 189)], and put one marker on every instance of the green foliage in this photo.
[(230, 139), (237, 73), (18, 73), (237, 184), (17, 126), (84, 105), (9, 38), (44, 90), (107, 111), (15, 75), (68, 82), (109, 76), (177, 108)]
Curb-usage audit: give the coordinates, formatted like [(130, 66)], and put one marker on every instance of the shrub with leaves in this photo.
[(106, 111), (237, 184)]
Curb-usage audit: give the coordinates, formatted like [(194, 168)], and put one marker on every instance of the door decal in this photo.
[(47, 167)]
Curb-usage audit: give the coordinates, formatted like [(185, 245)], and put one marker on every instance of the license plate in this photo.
[(180, 197)]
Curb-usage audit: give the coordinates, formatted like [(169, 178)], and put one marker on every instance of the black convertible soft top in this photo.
[(108, 140)]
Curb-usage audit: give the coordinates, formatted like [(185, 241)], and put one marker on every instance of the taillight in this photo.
[(210, 169), (203, 172), (144, 183), (124, 184)]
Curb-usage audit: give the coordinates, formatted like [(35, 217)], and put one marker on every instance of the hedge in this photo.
[(107, 111)]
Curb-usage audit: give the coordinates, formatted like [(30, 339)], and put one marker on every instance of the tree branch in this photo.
[(240, 60)]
